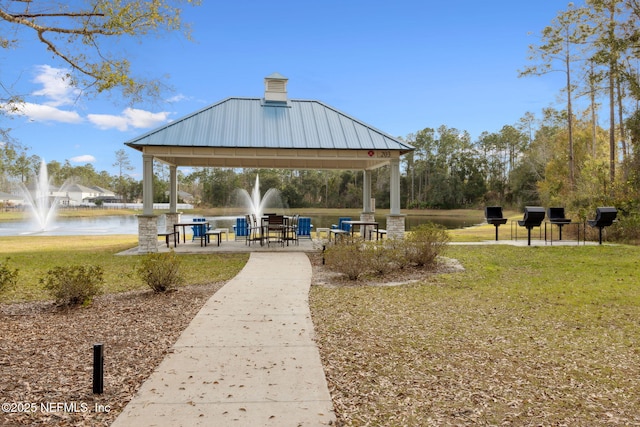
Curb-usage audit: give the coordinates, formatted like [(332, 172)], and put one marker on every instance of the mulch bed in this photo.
[(46, 353)]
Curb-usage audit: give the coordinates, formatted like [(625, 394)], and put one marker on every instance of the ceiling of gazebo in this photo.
[(272, 157)]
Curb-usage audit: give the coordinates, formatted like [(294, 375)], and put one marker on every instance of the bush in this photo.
[(425, 243), (8, 277), (74, 285), (626, 229), (396, 252), (420, 248), (347, 258), (161, 271), (383, 257)]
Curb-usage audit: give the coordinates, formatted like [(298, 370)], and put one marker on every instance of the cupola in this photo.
[(275, 88)]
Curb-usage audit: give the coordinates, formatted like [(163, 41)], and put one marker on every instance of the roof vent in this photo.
[(275, 88)]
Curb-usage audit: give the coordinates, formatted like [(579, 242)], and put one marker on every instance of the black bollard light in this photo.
[(323, 249), (98, 368)]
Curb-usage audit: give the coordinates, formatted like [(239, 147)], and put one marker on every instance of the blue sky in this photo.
[(399, 66)]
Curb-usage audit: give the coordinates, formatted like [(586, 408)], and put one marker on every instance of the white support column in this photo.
[(367, 214), (173, 189), (395, 220), (395, 187), (173, 216), (147, 222), (366, 191), (147, 184)]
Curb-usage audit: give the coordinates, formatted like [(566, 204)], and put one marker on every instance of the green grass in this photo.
[(479, 233), (34, 256), (525, 336)]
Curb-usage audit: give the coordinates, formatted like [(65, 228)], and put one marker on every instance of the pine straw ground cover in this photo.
[(524, 336), (46, 354)]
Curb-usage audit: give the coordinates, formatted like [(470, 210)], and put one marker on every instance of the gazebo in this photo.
[(269, 132)]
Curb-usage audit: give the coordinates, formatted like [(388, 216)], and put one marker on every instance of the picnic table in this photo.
[(363, 227)]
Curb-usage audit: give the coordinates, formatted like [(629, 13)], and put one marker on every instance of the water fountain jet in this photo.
[(256, 204), (42, 208)]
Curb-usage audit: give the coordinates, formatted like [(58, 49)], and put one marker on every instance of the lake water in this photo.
[(128, 224)]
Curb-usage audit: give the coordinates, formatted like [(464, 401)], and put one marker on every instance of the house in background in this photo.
[(71, 195), (183, 196), (7, 199), (76, 194)]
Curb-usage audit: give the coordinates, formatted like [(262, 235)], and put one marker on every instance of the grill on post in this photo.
[(533, 217), (493, 214), (605, 216), (556, 216)]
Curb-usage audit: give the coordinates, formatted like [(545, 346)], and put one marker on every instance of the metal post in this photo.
[(98, 368), (600, 235)]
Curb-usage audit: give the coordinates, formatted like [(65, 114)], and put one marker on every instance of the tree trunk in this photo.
[(612, 88), (570, 119), (594, 145)]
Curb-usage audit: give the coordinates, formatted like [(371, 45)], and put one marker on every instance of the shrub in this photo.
[(74, 285), (626, 229), (396, 250), (347, 258), (382, 257), (161, 271), (425, 243), (8, 277)]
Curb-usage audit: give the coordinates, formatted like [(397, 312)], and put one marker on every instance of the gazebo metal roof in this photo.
[(259, 133)]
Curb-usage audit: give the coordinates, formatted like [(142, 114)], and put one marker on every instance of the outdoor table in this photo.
[(363, 227), (184, 225), (266, 228)]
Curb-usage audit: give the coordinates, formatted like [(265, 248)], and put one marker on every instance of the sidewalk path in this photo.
[(248, 358)]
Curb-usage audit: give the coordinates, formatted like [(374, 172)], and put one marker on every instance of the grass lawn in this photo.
[(34, 256), (525, 336)]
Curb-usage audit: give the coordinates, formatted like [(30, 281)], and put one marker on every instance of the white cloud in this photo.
[(130, 118), (46, 113), (57, 91), (56, 86), (87, 158), (108, 121), (145, 119), (177, 98)]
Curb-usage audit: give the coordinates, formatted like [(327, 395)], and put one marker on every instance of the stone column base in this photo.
[(147, 234), (369, 217), (170, 219), (395, 226)]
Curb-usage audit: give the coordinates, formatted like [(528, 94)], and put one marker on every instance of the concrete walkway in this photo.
[(248, 358)]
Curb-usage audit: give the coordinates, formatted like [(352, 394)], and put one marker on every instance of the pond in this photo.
[(128, 224)]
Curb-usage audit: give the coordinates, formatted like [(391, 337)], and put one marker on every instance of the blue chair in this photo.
[(241, 229), (304, 227), (198, 231), (341, 226)]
